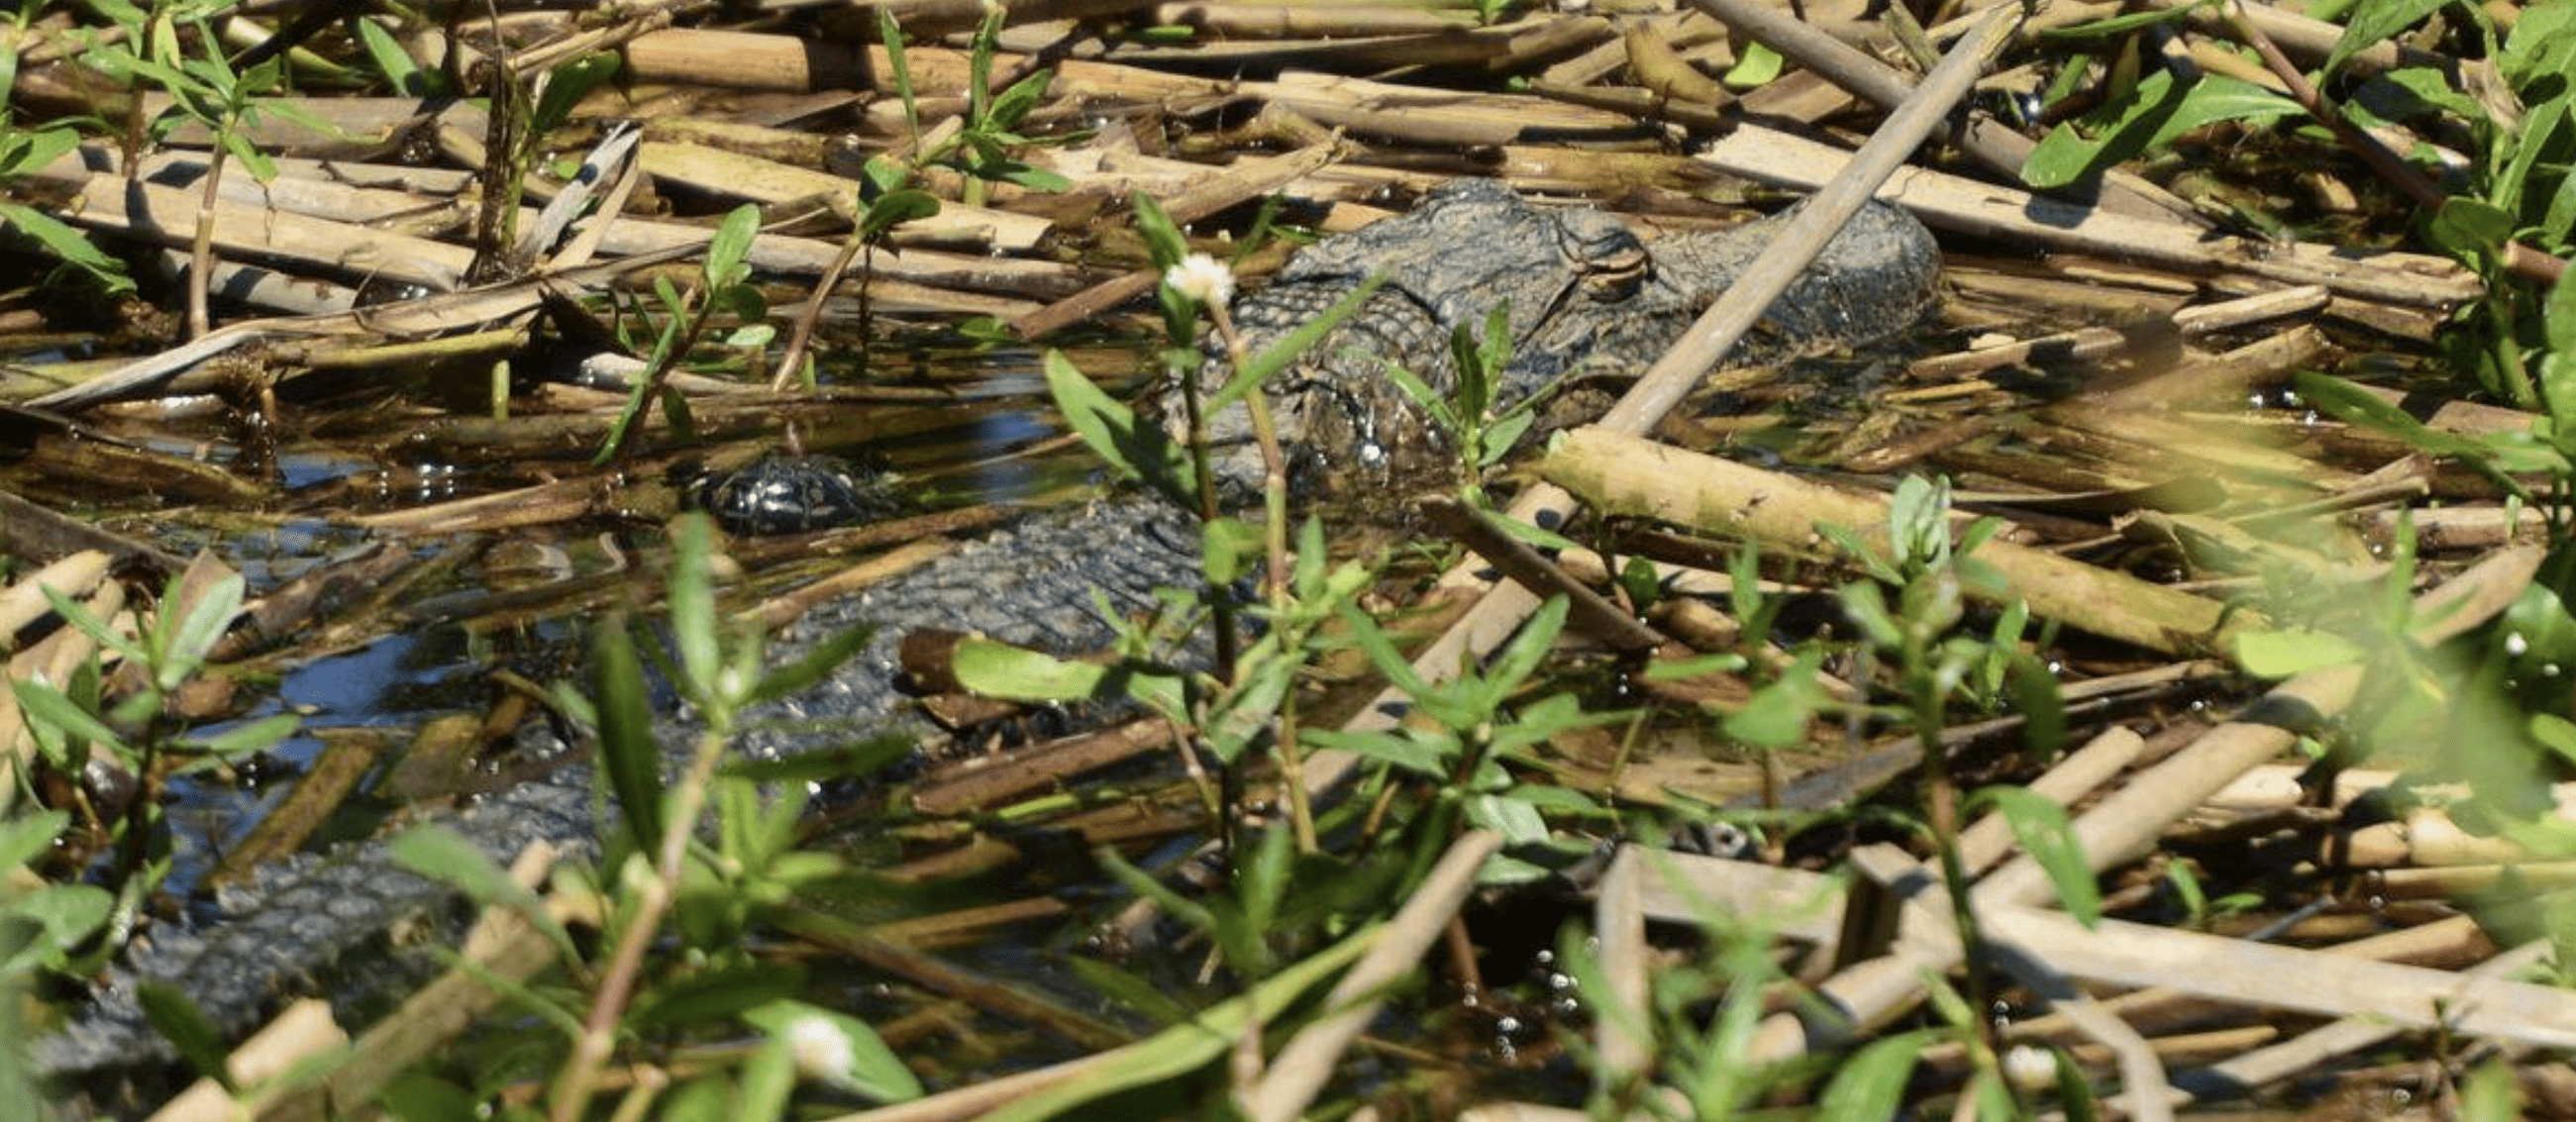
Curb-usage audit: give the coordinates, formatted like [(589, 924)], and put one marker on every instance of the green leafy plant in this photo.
[(203, 88), (723, 287), (24, 152), (1230, 705), (982, 148), (404, 76), (1481, 432), (132, 722), (42, 927), (681, 900), (1917, 634), (2155, 112), (1473, 728)]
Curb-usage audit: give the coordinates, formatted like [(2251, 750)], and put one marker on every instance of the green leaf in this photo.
[(1134, 448), (2541, 46), (200, 626), (1244, 715), (2374, 22), (1381, 651), (1870, 1086), (720, 992), (1120, 987), (1162, 236), (441, 854), (2154, 114), (22, 838), (1020, 674), (416, 1096), (2282, 653), (1518, 822), (65, 916), (254, 736), (2558, 315), (2491, 1093), (1420, 393), (628, 755), (31, 152), (708, 1098), (251, 158), (2037, 698), (1229, 550), (767, 1079), (68, 245), (730, 246), (814, 666), (693, 606), (890, 33), (391, 60), (1756, 65), (43, 703), (895, 208), (2414, 92), (566, 85), (1397, 748), (2049, 837), (2468, 228), (1521, 657), (2352, 404), (2538, 632), (1014, 104), (173, 1014), (1288, 348), (1187, 1047), (1777, 715)]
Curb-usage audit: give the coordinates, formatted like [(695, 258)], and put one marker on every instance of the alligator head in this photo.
[(1582, 295)]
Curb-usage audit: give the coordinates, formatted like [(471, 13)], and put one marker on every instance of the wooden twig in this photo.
[(1628, 475), (1300, 1069)]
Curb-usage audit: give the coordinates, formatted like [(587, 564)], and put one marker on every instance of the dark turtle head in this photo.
[(787, 495)]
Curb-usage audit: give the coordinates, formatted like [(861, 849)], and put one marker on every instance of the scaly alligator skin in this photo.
[(1584, 295)]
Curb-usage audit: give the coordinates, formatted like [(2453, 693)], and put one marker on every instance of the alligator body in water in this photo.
[(1583, 295)]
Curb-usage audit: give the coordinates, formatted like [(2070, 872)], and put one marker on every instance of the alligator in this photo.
[(1583, 294)]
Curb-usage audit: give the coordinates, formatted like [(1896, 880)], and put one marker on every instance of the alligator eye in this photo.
[(1609, 257)]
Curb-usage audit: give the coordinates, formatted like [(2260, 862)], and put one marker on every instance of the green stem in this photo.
[(1942, 795), (580, 1078), (1274, 540)]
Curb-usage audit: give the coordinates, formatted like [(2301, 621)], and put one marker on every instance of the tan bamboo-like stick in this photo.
[(1300, 1069), (734, 175), (302, 1030), (1630, 475), (166, 215)]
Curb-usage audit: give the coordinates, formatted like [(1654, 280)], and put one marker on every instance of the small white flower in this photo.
[(1202, 278), (822, 1049), (2030, 1068)]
